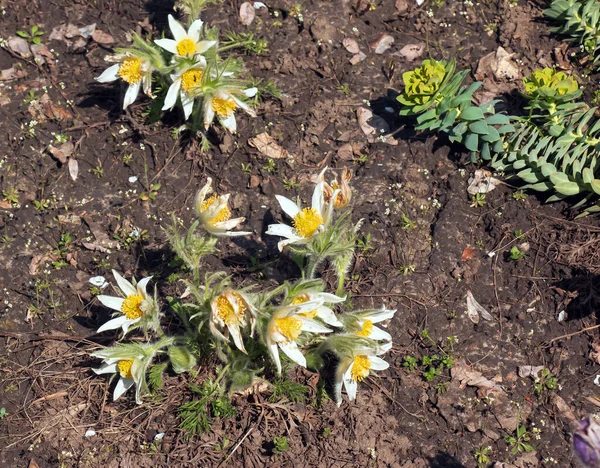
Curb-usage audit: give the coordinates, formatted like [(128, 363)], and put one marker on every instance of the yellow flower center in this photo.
[(360, 368), (223, 107), (366, 329), (190, 79), (226, 312), (125, 369), (132, 306), (301, 299), (290, 327), (130, 70), (307, 222), (186, 47), (223, 215)]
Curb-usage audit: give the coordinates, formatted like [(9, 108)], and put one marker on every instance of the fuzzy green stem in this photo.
[(312, 263)]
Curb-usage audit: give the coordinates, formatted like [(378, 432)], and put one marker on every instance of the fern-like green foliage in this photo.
[(580, 21), (554, 149)]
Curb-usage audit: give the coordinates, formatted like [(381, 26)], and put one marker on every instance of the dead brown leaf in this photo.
[(12, 74), (562, 407), (38, 260), (467, 376), (497, 65), (102, 38), (73, 168), (63, 152), (33, 463), (382, 44), (19, 46), (351, 45), (268, 146), (402, 6), (469, 253), (247, 13), (411, 52), (374, 127)]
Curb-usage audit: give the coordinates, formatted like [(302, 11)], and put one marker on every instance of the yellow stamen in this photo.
[(307, 222), (223, 215), (190, 79), (226, 312), (130, 70), (186, 47), (223, 107), (132, 306), (289, 327), (366, 329), (301, 299), (125, 369), (360, 368)]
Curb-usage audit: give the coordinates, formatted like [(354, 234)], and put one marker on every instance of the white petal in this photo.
[(380, 315), (274, 352), (318, 199), (288, 206), (379, 334), (110, 74), (194, 30), (201, 195), (327, 315), (244, 106), (113, 324), (229, 122), (292, 351), (229, 224), (251, 92), (107, 369), (331, 298), (282, 230), (168, 44), (209, 113), (339, 379), (384, 348), (231, 233), (171, 97), (122, 386), (215, 331), (141, 286), (313, 327), (147, 85), (351, 386), (129, 323), (283, 243), (377, 363), (112, 302), (131, 94), (203, 46), (188, 105), (237, 337), (177, 30), (124, 285)]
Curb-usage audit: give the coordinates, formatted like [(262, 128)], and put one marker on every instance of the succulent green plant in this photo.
[(580, 20)]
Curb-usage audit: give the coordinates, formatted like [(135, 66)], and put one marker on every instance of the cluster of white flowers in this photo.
[(199, 79)]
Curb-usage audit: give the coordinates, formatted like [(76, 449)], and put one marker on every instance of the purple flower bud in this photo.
[(586, 442)]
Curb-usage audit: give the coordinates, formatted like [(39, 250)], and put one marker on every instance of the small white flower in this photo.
[(135, 71), (307, 222), (223, 104), (132, 308), (131, 372), (230, 309), (214, 213), (285, 327), (361, 323), (186, 44), (133, 179), (185, 81), (323, 312), (90, 433), (98, 281), (355, 368)]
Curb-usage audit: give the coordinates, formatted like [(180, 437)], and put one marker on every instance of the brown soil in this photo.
[(423, 267)]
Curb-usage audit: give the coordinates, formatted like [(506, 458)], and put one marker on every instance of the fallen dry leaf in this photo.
[(562, 407), (102, 38), (33, 463), (38, 260), (466, 375), (475, 309), (357, 58), (247, 13), (373, 126), (529, 371), (70, 219), (482, 182), (469, 253), (411, 52), (12, 74), (382, 44), (497, 65), (62, 153), (402, 6), (351, 45), (19, 46), (5, 204), (267, 146)]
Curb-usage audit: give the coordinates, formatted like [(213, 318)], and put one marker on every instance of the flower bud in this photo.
[(181, 359)]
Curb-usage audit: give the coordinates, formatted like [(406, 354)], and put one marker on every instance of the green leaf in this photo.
[(506, 129), (497, 119), (567, 188), (498, 147), (492, 135), (472, 142), (595, 184), (555, 130), (548, 169), (472, 113), (479, 127), (23, 34), (429, 115), (485, 152), (34, 29)]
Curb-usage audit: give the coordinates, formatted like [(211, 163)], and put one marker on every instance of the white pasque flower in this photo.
[(132, 307), (135, 71), (355, 368), (186, 44), (214, 213), (307, 222), (230, 309), (361, 323), (285, 327), (322, 312), (223, 103), (185, 80), (131, 372)]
